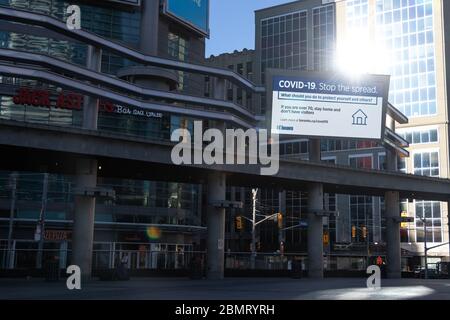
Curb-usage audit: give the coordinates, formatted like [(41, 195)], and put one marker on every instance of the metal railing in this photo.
[(25, 259)]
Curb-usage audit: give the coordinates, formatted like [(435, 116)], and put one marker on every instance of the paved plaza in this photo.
[(228, 289)]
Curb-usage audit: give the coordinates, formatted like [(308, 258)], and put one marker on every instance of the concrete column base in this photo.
[(216, 227), (394, 275), (84, 214), (393, 254)]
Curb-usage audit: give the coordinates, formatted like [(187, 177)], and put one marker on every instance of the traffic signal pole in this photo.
[(282, 210), (253, 248)]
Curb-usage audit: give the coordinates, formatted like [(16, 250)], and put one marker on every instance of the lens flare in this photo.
[(358, 54), (154, 233)]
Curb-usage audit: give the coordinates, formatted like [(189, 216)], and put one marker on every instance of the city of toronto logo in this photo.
[(229, 146)]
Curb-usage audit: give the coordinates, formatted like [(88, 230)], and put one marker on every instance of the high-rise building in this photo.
[(173, 209), (407, 40), (402, 38)]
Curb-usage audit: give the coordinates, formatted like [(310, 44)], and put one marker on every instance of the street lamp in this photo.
[(13, 185), (254, 225), (425, 243)]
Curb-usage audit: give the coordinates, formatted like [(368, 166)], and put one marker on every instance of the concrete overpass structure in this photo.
[(80, 150)]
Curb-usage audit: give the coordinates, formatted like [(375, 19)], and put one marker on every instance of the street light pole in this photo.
[(368, 251), (13, 185), (425, 246), (42, 221), (253, 248)]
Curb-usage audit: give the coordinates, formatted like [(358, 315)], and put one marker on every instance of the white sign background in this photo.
[(336, 113)]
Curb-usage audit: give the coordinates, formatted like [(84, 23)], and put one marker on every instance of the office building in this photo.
[(402, 38)]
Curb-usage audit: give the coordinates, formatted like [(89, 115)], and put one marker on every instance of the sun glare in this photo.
[(357, 54)]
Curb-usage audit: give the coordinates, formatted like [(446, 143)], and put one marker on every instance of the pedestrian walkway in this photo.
[(228, 289)]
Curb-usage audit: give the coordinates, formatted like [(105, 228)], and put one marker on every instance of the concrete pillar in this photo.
[(448, 226), (83, 226), (231, 222), (216, 226), (149, 27), (86, 178), (216, 216), (90, 105), (393, 258), (391, 200), (315, 222)]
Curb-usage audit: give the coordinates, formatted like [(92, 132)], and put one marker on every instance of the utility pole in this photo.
[(425, 246), (282, 211), (41, 222), (368, 249), (253, 248), (13, 185)]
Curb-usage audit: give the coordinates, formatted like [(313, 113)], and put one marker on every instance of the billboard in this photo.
[(193, 13), (327, 104)]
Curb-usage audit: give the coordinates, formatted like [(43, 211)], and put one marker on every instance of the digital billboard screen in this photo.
[(193, 13), (328, 104)]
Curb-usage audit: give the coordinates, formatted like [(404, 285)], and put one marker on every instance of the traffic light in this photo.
[(364, 232), (280, 220), (326, 238), (353, 232), (239, 223)]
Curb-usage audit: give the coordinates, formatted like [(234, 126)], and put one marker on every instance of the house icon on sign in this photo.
[(359, 118)]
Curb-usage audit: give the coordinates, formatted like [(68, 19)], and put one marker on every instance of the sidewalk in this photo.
[(228, 289)]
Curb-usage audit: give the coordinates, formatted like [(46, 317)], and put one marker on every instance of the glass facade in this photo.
[(426, 163), (123, 26), (406, 28), (419, 135), (358, 15), (361, 207), (324, 37), (178, 48), (112, 23), (138, 203), (284, 42), (428, 212), (146, 202), (284, 45)]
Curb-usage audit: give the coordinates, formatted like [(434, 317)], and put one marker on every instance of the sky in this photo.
[(232, 24)]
